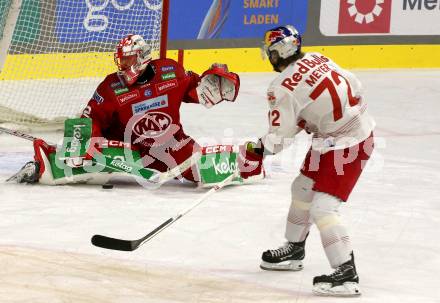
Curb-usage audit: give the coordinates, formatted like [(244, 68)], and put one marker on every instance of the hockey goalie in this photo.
[(132, 126)]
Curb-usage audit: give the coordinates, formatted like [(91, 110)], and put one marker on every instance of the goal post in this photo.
[(55, 52)]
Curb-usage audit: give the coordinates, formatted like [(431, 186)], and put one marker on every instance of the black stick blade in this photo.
[(112, 243), (129, 245)]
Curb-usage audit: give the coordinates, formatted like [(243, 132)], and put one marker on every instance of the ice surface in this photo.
[(213, 253)]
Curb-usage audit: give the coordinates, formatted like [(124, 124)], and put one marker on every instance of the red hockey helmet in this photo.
[(132, 57)]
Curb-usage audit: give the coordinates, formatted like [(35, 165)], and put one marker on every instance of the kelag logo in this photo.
[(364, 16)]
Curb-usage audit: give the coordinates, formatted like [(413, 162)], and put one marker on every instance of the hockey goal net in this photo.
[(54, 53)]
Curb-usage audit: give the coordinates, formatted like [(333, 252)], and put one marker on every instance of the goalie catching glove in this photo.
[(218, 84)]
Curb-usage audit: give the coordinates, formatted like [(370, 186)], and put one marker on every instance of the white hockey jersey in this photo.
[(317, 95)]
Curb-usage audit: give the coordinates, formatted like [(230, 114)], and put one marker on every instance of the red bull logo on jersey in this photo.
[(302, 67), (152, 124)]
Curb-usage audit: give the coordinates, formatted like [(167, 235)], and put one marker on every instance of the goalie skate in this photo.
[(27, 174), (286, 258)]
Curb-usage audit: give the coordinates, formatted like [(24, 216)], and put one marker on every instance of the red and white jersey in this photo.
[(317, 95), (148, 112)]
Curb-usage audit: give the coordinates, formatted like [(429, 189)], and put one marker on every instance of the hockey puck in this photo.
[(107, 186)]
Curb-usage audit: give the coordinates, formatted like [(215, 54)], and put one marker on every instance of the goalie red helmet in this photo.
[(132, 57)]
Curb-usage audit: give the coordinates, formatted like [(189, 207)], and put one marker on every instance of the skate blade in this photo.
[(291, 265), (348, 289), (17, 178), (12, 178)]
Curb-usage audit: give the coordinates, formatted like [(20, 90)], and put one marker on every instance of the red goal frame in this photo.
[(164, 29)]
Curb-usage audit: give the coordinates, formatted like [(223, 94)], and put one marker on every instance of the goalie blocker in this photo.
[(86, 159)]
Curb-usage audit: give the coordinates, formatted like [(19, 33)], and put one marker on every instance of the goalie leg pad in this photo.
[(216, 164), (52, 171), (113, 159), (43, 152), (219, 162)]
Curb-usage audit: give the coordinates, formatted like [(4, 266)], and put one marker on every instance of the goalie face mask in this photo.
[(132, 57)]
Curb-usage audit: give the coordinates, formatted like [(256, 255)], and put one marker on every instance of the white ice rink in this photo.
[(213, 253)]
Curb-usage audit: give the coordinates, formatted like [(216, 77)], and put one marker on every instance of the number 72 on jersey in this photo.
[(328, 84)]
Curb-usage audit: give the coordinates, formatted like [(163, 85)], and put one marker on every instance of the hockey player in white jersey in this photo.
[(314, 94)]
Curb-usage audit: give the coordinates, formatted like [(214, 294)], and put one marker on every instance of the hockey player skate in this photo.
[(343, 282), (287, 257)]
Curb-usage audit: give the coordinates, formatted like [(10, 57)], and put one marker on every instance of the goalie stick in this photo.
[(157, 179), (17, 134), (130, 245)]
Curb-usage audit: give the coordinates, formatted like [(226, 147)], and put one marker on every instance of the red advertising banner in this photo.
[(364, 16)]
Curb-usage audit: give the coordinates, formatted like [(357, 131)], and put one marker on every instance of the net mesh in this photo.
[(3, 14), (59, 51)]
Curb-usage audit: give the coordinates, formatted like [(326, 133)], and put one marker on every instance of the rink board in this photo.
[(80, 65)]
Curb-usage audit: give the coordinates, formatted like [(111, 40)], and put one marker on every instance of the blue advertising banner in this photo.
[(80, 21), (233, 19), (105, 20)]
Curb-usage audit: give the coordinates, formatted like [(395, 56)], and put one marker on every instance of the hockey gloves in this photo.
[(218, 84), (250, 161)]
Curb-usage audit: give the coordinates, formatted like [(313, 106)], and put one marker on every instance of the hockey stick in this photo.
[(17, 133), (130, 245), (177, 170)]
